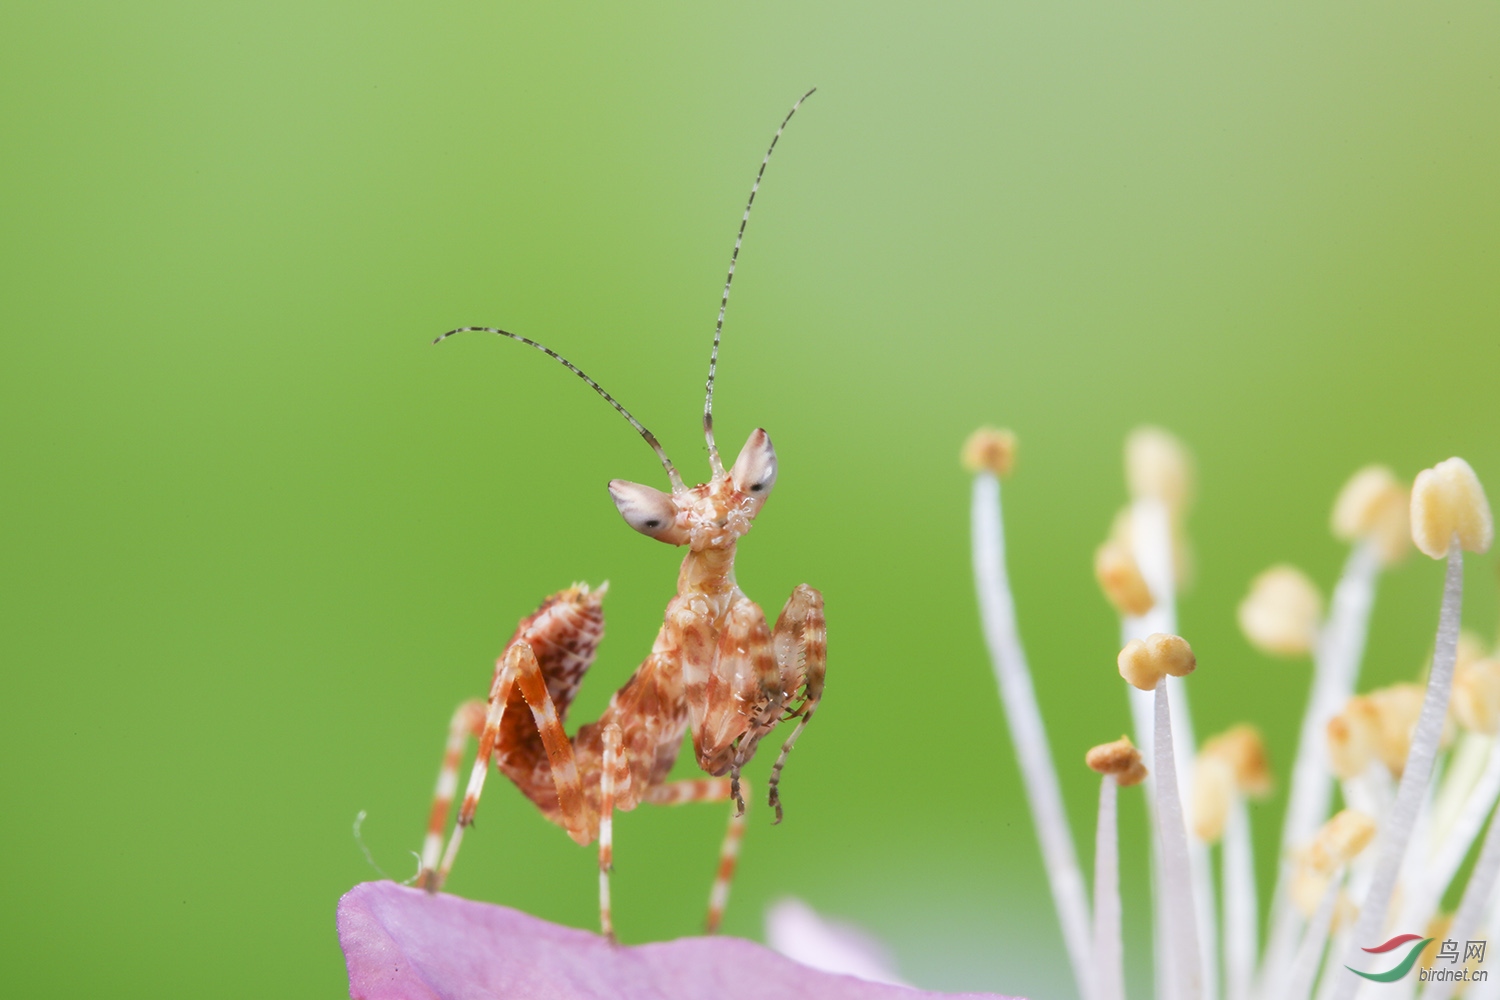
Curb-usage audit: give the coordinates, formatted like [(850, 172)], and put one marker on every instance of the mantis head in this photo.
[(712, 515)]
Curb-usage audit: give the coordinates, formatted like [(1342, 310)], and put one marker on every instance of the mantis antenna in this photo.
[(672, 474), (713, 359)]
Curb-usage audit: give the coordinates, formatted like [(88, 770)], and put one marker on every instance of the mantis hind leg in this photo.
[(614, 776), (542, 665), (519, 669), (467, 720)]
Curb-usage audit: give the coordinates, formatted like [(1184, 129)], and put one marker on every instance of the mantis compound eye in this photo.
[(754, 472), (649, 511)]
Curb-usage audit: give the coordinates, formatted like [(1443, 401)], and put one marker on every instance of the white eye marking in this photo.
[(754, 471), (649, 511)]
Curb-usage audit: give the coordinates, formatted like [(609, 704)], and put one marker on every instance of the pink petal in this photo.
[(402, 944)]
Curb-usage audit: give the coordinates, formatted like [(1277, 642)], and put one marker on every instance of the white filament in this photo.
[(1240, 905), (1336, 660), (1151, 545), (1310, 953), (1172, 831), (1341, 645), (1109, 949), (1426, 890), (997, 611), (1395, 832), (1477, 896)]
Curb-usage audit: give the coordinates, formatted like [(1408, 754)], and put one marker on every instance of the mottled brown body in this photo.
[(716, 669)]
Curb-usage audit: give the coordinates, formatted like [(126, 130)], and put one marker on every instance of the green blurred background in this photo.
[(258, 538)]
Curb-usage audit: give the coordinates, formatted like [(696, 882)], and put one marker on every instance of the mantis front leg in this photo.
[(742, 697), (757, 673), (801, 639)]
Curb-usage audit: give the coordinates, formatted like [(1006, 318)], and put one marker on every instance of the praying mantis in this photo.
[(716, 670)]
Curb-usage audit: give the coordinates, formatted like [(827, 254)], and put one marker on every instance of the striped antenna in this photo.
[(713, 360), (672, 474)]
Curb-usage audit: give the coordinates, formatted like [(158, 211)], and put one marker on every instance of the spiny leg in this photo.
[(467, 720), (679, 793), (518, 666), (801, 637), (614, 776)]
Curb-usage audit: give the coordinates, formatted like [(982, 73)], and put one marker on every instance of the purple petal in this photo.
[(402, 944)]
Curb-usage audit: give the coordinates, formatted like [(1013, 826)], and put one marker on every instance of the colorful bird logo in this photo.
[(1404, 966)]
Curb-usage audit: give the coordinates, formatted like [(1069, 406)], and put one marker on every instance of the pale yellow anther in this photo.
[(1173, 653), (1120, 758), (1232, 763), (1213, 790), (1157, 465), (1353, 738), (1244, 751), (1308, 887), (1120, 579), (1397, 709), (1120, 533), (1375, 505), (1282, 612), (1345, 912), (1476, 696), (1471, 649), (990, 449), (1137, 667), (1339, 841), (1144, 662), (1447, 501)]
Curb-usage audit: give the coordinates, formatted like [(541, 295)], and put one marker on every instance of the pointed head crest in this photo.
[(713, 515)]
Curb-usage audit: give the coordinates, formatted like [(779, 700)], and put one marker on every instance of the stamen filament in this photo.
[(1109, 949), (1341, 646), (1120, 765), (1241, 931), (1310, 952), (1396, 831), (1476, 895), (1418, 804), (1028, 734), (1453, 845), (1151, 541), (1151, 546), (1336, 661), (1171, 828)]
